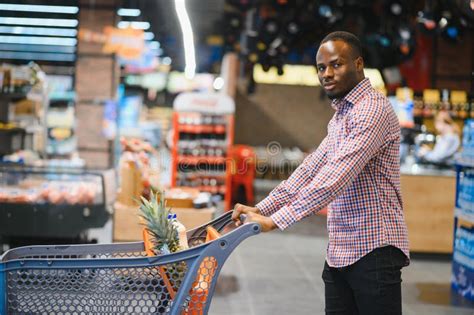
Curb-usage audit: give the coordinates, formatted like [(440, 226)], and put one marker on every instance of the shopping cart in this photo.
[(118, 278)]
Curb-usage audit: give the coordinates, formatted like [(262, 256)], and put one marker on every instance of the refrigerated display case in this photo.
[(44, 204)]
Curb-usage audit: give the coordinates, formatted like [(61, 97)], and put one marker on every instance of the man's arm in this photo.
[(287, 189), (368, 132)]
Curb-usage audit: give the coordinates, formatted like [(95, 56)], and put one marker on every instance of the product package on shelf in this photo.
[(203, 127), (23, 103), (136, 173), (462, 279), (430, 101), (468, 141)]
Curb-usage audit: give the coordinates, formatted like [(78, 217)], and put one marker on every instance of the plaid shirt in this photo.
[(355, 173)]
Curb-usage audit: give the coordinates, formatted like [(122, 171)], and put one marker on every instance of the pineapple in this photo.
[(164, 234), (156, 220)]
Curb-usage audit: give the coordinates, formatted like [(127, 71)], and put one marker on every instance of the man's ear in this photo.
[(359, 64)]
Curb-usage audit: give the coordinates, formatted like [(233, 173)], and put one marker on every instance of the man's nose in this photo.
[(328, 72)]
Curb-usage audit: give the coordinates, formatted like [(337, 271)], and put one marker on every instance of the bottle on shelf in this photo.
[(417, 106), (471, 107)]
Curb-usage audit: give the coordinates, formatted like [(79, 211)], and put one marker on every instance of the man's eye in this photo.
[(320, 69), (337, 65)]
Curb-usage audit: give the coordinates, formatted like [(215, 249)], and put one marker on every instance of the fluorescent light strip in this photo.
[(38, 40), (39, 22), (149, 35), (65, 32), (188, 38), (128, 12), (38, 48), (134, 25), (36, 56), (39, 8)]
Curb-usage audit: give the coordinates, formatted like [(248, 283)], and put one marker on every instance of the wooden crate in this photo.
[(128, 228)]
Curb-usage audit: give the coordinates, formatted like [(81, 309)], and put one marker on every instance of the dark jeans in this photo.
[(372, 285)]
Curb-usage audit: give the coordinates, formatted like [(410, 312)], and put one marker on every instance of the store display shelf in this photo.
[(464, 214), (195, 160), (198, 129), (213, 189), (218, 189), (13, 96), (465, 162), (209, 176)]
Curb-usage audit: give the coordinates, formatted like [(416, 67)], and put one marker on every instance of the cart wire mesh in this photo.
[(116, 278)]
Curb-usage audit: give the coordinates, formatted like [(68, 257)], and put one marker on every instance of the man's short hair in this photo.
[(348, 38)]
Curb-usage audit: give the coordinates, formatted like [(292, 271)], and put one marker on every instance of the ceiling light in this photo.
[(452, 32), (39, 8), (36, 56), (293, 28), (38, 48), (396, 8), (37, 21), (38, 40), (128, 12), (271, 27), (329, 11), (38, 31), (426, 17), (325, 11), (188, 38), (135, 25), (404, 33)]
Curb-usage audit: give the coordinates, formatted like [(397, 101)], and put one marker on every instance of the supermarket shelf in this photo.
[(13, 96), (213, 189), (194, 160), (191, 177), (464, 214), (465, 162), (198, 129)]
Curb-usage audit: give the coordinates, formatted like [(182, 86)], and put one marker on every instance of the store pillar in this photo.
[(97, 77)]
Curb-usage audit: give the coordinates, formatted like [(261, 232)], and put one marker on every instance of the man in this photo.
[(355, 173)]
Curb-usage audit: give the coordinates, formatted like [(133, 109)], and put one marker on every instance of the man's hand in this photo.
[(253, 215)]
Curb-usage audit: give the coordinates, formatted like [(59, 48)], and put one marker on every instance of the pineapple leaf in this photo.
[(164, 234)]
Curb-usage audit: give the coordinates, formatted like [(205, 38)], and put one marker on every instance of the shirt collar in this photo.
[(354, 95)]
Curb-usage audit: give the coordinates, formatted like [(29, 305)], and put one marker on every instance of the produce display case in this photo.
[(53, 203)]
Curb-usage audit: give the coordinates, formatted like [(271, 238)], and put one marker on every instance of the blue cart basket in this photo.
[(118, 278)]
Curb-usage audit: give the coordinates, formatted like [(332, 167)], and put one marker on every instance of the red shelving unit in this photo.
[(203, 137)]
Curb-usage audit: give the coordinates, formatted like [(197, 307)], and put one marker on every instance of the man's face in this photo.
[(338, 71)]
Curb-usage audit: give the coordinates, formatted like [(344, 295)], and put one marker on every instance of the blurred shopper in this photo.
[(447, 142), (355, 173)]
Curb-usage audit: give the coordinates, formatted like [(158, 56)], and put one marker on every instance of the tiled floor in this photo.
[(279, 273)]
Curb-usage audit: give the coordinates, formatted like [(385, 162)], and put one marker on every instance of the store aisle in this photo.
[(280, 273)]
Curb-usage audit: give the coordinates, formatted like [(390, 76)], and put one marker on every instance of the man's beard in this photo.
[(336, 95)]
